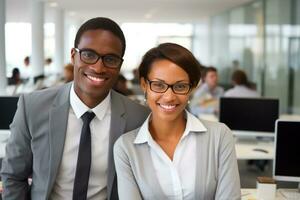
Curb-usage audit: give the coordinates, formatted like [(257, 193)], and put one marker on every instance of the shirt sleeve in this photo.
[(228, 186)]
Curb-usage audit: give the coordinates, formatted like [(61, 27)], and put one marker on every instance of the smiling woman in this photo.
[(186, 158)]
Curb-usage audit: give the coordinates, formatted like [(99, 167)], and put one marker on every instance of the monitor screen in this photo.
[(249, 114), (8, 107), (287, 151)]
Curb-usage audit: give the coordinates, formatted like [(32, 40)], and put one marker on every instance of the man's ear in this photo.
[(73, 52), (143, 84)]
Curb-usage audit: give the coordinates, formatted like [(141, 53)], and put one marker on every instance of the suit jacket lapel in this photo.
[(117, 128), (58, 120)]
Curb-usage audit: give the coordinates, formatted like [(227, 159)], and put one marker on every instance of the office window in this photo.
[(141, 37)]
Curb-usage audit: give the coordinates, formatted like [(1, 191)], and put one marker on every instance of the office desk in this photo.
[(251, 194), (244, 149), (4, 135)]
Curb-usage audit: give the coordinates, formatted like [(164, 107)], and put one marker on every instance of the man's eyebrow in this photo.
[(92, 50)]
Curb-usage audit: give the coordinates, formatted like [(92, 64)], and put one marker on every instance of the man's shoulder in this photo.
[(43, 92), (134, 113), (220, 89), (131, 105), (45, 97), (201, 90)]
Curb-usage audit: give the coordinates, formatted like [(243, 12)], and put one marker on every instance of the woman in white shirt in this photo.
[(242, 87), (174, 155)]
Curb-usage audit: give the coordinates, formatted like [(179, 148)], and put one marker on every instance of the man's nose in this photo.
[(99, 66)]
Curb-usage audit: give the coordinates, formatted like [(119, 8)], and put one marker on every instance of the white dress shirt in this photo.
[(177, 177), (205, 94), (241, 91), (100, 127)]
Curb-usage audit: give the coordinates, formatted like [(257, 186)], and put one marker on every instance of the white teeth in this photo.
[(168, 107), (95, 78)]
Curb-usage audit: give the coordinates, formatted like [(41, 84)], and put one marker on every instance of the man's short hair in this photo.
[(27, 59), (209, 69), (104, 24)]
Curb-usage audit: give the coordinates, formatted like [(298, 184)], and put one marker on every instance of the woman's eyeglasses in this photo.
[(177, 88)]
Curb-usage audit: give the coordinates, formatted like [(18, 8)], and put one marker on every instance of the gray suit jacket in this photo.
[(36, 144), (217, 174)]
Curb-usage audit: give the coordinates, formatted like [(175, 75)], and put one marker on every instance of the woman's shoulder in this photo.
[(127, 139), (216, 129)]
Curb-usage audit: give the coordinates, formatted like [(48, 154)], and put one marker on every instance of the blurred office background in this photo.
[(262, 37)]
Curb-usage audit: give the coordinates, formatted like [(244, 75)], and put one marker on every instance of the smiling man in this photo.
[(63, 137)]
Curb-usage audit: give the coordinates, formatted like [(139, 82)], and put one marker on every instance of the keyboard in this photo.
[(291, 195)]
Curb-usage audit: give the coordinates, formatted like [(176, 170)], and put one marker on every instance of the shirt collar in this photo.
[(193, 124), (80, 108)]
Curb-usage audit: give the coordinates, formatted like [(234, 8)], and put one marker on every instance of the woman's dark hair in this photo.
[(239, 77), (176, 54), (15, 72), (104, 24)]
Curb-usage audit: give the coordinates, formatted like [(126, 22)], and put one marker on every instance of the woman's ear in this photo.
[(143, 84)]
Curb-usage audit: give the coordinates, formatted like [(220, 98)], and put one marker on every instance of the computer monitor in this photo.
[(287, 151), (8, 107), (254, 116)]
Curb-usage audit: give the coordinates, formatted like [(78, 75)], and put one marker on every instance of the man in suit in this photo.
[(47, 130)]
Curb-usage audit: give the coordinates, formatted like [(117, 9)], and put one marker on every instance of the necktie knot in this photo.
[(87, 117)]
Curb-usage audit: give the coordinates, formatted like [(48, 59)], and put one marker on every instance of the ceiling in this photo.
[(125, 10)]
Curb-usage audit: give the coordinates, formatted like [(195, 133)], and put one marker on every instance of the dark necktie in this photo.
[(83, 167)]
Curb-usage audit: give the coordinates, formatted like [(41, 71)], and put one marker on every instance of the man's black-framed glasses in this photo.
[(89, 56), (162, 87)]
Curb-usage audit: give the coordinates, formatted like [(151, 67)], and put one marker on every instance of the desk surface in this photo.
[(251, 194), (4, 135), (245, 149)]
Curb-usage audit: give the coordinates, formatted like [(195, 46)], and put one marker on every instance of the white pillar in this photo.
[(37, 29), (59, 41), (71, 27), (3, 81)]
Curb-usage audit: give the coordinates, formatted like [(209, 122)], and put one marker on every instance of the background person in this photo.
[(68, 73), (205, 99), (26, 71), (15, 78), (241, 86)]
